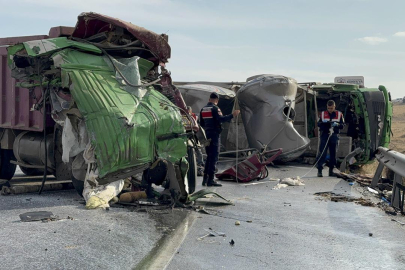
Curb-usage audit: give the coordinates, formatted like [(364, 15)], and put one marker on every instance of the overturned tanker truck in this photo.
[(95, 99), (278, 112), (264, 101), (267, 105)]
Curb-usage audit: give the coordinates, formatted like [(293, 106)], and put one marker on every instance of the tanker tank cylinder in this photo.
[(29, 148), (265, 102)]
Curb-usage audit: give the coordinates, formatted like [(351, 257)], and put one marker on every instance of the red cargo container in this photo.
[(15, 102), (17, 121)]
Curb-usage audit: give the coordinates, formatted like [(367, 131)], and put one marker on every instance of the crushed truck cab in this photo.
[(108, 103)]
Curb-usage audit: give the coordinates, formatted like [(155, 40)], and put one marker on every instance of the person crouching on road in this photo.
[(331, 120), (211, 120)]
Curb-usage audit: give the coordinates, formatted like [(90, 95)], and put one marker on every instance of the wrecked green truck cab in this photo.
[(106, 87), (367, 112)]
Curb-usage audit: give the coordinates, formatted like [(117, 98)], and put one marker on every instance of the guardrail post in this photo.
[(396, 192), (394, 161), (377, 175)]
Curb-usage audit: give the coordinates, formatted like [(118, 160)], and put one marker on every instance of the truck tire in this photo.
[(78, 185), (7, 169), (192, 169), (31, 171)]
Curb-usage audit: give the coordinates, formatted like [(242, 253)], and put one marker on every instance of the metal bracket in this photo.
[(398, 192), (343, 165)]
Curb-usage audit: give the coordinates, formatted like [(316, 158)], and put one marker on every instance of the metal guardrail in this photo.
[(395, 161)]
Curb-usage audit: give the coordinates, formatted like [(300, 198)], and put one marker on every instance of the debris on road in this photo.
[(206, 235), (343, 198), (204, 193), (362, 179), (22, 189), (285, 182), (254, 167), (38, 216), (391, 211), (213, 232), (387, 194), (232, 242), (237, 223), (130, 197), (98, 196), (398, 221), (373, 190)]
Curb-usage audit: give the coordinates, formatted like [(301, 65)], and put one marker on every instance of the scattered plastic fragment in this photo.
[(215, 233), (38, 216), (202, 193), (202, 237), (398, 222), (148, 203), (98, 196), (373, 190), (285, 182), (385, 200)]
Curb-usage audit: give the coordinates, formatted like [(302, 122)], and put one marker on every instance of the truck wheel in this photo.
[(78, 185), (192, 169), (31, 171), (7, 169), (78, 169)]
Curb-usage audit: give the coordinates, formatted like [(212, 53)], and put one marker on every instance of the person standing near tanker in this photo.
[(330, 120), (211, 120)]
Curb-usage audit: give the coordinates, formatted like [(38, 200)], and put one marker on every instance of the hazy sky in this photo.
[(214, 40)]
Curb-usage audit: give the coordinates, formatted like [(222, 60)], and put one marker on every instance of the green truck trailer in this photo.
[(367, 113)]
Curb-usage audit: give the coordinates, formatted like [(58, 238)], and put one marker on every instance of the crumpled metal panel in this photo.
[(263, 101), (197, 95), (90, 23), (123, 127), (38, 47)]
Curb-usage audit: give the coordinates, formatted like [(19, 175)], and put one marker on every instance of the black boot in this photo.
[(331, 173), (205, 179), (320, 173), (212, 183)]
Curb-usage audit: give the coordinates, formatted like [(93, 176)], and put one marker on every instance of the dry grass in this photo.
[(398, 128), (368, 168), (397, 141)]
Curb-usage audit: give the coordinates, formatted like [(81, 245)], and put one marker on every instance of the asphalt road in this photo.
[(288, 228), (94, 239), (292, 229)]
